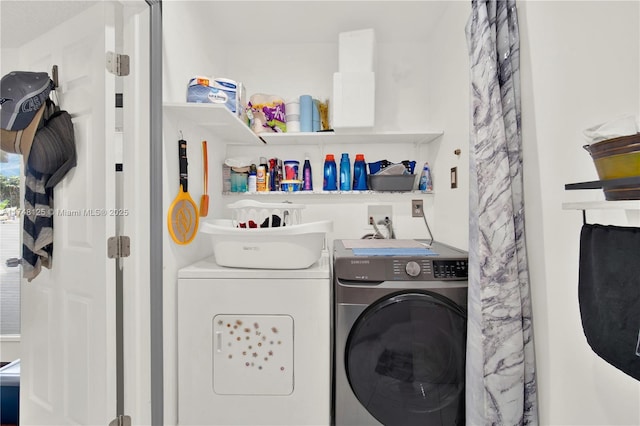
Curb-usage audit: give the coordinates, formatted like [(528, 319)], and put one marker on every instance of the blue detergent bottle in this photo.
[(345, 172), (359, 173), (329, 182)]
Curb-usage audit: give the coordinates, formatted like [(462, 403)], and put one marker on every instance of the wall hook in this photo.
[(54, 76)]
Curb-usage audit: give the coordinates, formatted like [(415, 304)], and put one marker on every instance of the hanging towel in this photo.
[(609, 294)]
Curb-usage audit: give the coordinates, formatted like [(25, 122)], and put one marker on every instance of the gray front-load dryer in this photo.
[(399, 337)]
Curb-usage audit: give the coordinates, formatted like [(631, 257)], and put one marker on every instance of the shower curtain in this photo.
[(500, 377)]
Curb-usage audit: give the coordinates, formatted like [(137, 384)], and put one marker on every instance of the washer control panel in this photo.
[(451, 268), (428, 269), (446, 264)]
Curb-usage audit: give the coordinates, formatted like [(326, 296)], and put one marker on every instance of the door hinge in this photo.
[(118, 247), (121, 421), (118, 64)]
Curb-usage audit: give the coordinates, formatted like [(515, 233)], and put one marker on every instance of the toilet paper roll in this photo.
[(293, 117), (293, 126), (293, 107), (306, 113)]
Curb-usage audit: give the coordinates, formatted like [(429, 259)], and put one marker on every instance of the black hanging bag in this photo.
[(609, 294)]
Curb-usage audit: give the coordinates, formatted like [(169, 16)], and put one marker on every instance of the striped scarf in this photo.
[(37, 234)]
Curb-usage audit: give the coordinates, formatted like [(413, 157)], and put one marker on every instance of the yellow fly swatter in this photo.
[(183, 215)]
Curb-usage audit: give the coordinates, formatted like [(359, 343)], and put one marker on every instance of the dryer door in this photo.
[(405, 359)]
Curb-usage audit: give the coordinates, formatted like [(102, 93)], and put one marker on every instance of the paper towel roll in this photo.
[(306, 113), (315, 124)]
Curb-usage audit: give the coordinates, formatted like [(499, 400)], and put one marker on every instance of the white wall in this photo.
[(424, 83), (448, 105), (579, 63)]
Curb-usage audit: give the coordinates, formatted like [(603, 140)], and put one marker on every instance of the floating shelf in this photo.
[(320, 138), (216, 117), (321, 193), (603, 205), (232, 130), (604, 184)]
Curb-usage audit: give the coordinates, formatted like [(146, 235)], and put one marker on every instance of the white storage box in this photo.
[(353, 100), (357, 51), (286, 247)]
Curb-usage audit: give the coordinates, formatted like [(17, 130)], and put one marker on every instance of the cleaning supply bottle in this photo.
[(262, 175), (345, 172), (359, 173), (252, 182), (426, 184), (307, 183), (330, 176)]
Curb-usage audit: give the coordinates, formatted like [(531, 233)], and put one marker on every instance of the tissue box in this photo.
[(356, 51), (353, 100)]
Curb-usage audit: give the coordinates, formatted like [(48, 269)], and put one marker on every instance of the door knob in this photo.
[(13, 262)]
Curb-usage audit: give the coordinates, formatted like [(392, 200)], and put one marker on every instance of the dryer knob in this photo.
[(413, 269)]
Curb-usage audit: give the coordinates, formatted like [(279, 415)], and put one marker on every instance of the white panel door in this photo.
[(68, 373)]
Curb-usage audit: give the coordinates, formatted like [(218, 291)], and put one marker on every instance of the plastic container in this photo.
[(359, 173), (238, 181), (291, 169), (245, 211), (345, 172), (330, 180), (307, 182), (398, 183), (291, 185), (288, 247), (426, 183)]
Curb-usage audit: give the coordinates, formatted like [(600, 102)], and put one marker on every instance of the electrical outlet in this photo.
[(378, 213), (416, 208)]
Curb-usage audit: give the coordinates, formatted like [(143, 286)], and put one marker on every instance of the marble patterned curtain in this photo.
[(500, 380)]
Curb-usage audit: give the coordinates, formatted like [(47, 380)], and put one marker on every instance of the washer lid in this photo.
[(405, 359), (208, 268)]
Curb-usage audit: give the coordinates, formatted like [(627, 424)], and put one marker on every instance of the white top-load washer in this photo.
[(254, 345)]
